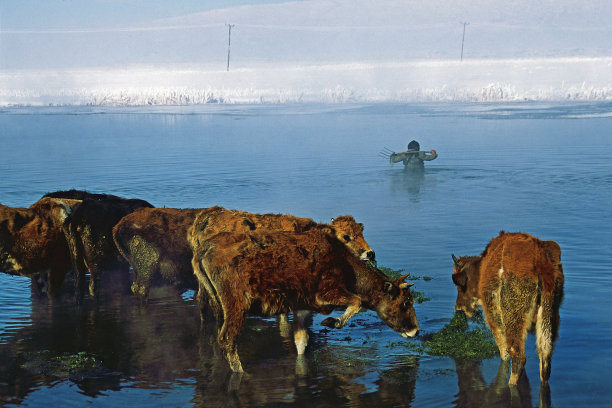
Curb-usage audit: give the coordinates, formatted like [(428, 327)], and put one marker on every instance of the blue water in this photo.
[(545, 169)]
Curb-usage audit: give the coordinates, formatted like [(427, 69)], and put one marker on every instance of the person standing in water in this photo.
[(413, 158)]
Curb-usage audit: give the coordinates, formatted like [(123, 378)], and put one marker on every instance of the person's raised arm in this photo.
[(429, 156), (397, 157)]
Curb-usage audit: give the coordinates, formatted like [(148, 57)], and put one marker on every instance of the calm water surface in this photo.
[(543, 169)]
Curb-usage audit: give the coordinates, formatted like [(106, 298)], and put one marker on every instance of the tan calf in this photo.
[(518, 280)]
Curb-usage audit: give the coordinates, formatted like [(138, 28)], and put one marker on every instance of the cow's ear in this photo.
[(249, 223), (406, 285), (460, 279), (328, 230), (457, 261), (390, 289)]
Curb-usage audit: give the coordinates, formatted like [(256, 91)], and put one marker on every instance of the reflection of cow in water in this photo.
[(32, 242), (88, 231), (474, 391), (518, 280), (274, 272)]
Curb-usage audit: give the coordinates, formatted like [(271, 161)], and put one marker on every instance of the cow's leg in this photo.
[(544, 335), (353, 306), (144, 259), (78, 264), (493, 318), (40, 284), (300, 334), (232, 326), (518, 303), (56, 278), (94, 280), (234, 314), (283, 325), (517, 356)]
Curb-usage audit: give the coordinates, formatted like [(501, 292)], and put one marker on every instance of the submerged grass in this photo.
[(64, 365), (462, 340)]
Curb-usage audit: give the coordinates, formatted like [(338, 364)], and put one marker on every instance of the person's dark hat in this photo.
[(414, 145)]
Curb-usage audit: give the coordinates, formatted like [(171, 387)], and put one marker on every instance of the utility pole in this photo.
[(229, 42), (463, 38)]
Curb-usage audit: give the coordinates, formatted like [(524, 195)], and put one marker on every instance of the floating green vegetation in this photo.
[(462, 338), (417, 295), (74, 366)]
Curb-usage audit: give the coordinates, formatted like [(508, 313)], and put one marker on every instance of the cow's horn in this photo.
[(401, 278)]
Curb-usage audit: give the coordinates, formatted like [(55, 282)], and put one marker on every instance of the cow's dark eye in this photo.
[(347, 238), (406, 305)]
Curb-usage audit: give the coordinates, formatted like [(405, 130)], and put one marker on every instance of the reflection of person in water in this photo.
[(413, 158)]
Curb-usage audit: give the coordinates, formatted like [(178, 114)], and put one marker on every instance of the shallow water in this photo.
[(540, 168)]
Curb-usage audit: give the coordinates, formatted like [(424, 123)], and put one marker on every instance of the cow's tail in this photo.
[(207, 293), (547, 327), (119, 243)]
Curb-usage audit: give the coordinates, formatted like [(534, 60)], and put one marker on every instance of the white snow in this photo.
[(322, 51)]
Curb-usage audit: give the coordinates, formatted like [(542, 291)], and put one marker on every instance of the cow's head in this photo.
[(11, 221), (396, 307), (466, 276), (350, 233)]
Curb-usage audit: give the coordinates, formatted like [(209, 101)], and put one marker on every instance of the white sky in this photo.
[(58, 14), (63, 34)]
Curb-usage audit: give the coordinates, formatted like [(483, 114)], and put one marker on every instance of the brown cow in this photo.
[(518, 280), (218, 219), (274, 272), (155, 240), (88, 231), (32, 241)]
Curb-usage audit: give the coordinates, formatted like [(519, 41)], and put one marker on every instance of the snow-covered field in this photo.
[(417, 81), (321, 51)]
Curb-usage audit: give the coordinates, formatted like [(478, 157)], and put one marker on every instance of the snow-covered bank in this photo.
[(551, 79)]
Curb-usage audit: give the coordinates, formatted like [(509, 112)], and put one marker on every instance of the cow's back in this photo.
[(521, 256), (281, 269), (157, 237), (214, 220)]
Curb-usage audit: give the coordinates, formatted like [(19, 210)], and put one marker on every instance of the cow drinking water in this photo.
[(518, 280), (32, 241), (274, 272)]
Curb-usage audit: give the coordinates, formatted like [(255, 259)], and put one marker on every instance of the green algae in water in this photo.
[(73, 366), (462, 340), (418, 296)]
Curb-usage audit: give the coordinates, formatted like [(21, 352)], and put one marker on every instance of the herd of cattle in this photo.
[(244, 263)]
